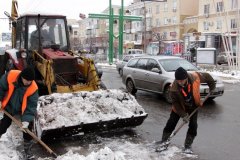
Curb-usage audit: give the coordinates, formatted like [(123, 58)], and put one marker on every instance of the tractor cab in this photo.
[(36, 32)]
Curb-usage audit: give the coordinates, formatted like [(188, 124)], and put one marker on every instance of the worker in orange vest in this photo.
[(19, 97), (185, 94)]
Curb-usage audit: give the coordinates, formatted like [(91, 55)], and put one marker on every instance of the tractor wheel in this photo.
[(103, 86), (166, 94), (130, 87)]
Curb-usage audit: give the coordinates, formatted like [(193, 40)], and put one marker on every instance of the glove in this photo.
[(185, 118), (25, 125)]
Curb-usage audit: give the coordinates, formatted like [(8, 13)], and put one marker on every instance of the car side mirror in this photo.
[(156, 70)]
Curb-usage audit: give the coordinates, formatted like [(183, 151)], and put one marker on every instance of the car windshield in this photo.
[(171, 65)]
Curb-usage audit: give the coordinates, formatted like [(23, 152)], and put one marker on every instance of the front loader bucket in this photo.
[(67, 114), (92, 127)]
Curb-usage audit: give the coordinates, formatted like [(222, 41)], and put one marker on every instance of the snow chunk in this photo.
[(70, 109), (103, 154)]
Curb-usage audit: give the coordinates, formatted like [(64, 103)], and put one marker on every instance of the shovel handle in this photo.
[(183, 123), (30, 133)]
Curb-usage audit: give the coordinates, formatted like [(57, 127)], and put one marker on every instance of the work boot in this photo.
[(188, 144), (165, 136), (164, 142), (27, 148)]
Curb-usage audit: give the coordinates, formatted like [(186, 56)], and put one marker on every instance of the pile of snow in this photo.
[(10, 143), (103, 154), (227, 75), (70, 109), (126, 150)]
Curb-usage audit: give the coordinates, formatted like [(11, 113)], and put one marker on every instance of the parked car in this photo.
[(135, 51), (121, 64), (156, 73), (222, 58)]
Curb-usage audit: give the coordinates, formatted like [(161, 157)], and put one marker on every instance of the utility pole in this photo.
[(145, 27)]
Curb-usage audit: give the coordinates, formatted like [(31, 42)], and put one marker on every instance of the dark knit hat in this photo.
[(28, 74), (180, 74)]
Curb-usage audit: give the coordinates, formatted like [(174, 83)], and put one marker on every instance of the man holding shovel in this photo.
[(185, 94), (19, 97)]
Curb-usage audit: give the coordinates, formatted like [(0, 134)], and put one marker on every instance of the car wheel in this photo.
[(121, 72), (130, 87), (166, 94)]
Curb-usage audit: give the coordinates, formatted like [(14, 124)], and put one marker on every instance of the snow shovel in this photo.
[(31, 134), (164, 145)]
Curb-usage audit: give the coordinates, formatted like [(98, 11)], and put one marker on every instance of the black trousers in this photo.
[(173, 120), (5, 122)]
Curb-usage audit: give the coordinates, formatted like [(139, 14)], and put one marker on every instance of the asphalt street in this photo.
[(218, 121)]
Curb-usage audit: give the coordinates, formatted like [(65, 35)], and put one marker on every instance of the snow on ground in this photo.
[(11, 142), (114, 149), (227, 76)]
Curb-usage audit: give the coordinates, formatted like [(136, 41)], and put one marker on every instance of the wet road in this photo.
[(218, 122)]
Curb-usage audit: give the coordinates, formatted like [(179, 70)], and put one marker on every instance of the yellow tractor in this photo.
[(42, 41)]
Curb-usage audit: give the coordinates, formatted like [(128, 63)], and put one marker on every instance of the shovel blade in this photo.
[(163, 146)]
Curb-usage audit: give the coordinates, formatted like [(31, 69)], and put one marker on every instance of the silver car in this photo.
[(156, 73), (121, 64)]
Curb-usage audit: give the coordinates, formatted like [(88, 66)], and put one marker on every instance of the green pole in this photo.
[(110, 53), (120, 38)]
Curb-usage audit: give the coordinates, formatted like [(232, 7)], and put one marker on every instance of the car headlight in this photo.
[(24, 55)]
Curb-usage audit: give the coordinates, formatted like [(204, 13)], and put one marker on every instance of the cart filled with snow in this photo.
[(67, 114)]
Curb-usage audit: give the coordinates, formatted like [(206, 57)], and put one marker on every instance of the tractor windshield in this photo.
[(52, 30)]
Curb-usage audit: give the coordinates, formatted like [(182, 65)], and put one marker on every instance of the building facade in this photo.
[(215, 18)]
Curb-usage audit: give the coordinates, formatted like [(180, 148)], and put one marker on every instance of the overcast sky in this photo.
[(71, 8)]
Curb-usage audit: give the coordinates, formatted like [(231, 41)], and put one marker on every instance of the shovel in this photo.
[(164, 146), (26, 130)]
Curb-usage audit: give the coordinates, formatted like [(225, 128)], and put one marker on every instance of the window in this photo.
[(205, 25), (157, 9), (132, 63), (219, 24), (219, 6), (206, 8), (152, 64), (174, 20), (19, 34), (174, 4), (75, 33), (233, 23), (234, 4), (142, 64), (165, 20), (53, 31), (165, 7), (158, 22), (127, 58)]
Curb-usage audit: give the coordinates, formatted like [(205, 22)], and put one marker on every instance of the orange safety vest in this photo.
[(12, 77), (196, 89)]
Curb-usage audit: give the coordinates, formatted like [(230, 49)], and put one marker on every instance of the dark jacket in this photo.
[(178, 102), (15, 102)]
